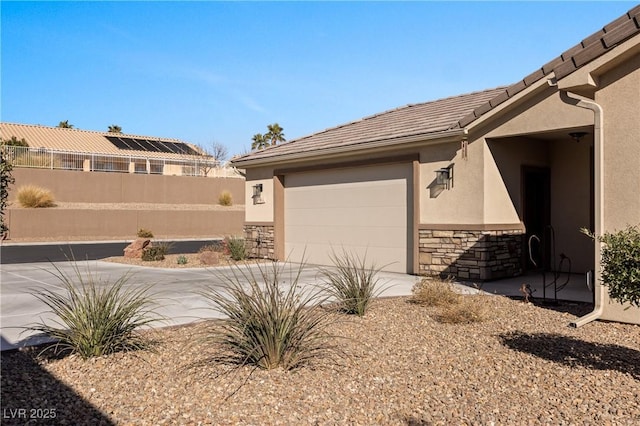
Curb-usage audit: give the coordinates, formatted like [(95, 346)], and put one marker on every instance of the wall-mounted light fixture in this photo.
[(576, 136), (257, 194), (444, 177)]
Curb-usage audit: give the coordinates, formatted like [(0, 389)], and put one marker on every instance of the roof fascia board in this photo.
[(587, 76), (498, 110), (377, 146)]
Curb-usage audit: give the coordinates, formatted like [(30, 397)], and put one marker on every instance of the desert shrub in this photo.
[(621, 264), (144, 233), (467, 310), (451, 307), (6, 179), (34, 197), (435, 292), (265, 325), (95, 317), (156, 252), (352, 282), (236, 248), (225, 198), (182, 260)]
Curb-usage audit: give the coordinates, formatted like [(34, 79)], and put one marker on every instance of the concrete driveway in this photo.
[(176, 290)]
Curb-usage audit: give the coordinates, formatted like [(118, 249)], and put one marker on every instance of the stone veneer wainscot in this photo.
[(259, 241), (478, 255)]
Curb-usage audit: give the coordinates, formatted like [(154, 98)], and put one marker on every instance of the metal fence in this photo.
[(42, 158)]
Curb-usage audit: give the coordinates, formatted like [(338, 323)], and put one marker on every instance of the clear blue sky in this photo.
[(218, 71)]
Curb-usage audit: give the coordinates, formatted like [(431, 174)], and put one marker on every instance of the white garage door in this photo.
[(363, 210)]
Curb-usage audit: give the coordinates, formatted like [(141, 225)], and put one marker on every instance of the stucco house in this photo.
[(473, 185)]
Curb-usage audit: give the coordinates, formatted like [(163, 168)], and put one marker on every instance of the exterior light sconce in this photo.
[(444, 177), (257, 194), (576, 136)]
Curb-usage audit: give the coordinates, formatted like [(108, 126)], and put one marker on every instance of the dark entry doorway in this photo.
[(536, 215)]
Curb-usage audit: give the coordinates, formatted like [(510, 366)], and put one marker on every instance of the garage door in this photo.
[(364, 210)]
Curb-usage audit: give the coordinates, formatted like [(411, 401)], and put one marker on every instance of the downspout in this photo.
[(598, 154)]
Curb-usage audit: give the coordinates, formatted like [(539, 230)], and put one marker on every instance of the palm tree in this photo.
[(259, 142), (114, 128), (65, 125), (275, 134)]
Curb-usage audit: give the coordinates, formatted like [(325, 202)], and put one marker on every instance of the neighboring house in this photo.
[(458, 186), (74, 149)]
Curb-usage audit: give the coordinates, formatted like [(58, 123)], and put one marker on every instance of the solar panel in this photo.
[(138, 144)]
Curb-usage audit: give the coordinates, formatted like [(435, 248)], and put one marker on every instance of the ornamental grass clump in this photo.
[(95, 317), (352, 283), (32, 196), (265, 324), (435, 292), (450, 306)]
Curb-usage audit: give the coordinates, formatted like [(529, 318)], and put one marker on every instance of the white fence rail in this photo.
[(21, 156)]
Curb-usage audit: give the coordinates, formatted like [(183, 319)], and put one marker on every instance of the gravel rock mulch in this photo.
[(171, 261), (523, 366)]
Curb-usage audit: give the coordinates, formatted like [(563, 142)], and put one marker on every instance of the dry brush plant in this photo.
[(33, 196), (451, 307), (225, 198), (265, 325), (352, 283), (95, 317)]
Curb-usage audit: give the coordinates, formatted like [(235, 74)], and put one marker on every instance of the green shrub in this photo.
[(13, 141), (182, 260), (155, 252), (6, 179), (32, 196), (353, 283), (225, 198), (265, 325), (144, 233), (236, 248), (95, 317), (621, 264)]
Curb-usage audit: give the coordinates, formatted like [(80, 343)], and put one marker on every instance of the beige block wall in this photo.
[(104, 222), (103, 187), (75, 224)]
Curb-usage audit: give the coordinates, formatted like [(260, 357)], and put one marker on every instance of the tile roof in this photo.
[(592, 47), (76, 140), (410, 120), (455, 112)]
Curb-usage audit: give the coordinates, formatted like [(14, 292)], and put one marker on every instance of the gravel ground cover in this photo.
[(523, 366)]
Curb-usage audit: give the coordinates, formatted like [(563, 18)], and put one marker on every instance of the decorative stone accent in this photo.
[(135, 249), (473, 255), (259, 241), (209, 257)]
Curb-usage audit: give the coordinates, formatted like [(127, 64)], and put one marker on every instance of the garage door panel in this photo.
[(361, 210), (353, 216), (363, 196), (357, 236)]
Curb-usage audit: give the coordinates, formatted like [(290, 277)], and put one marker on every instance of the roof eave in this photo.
[(381, 144)]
